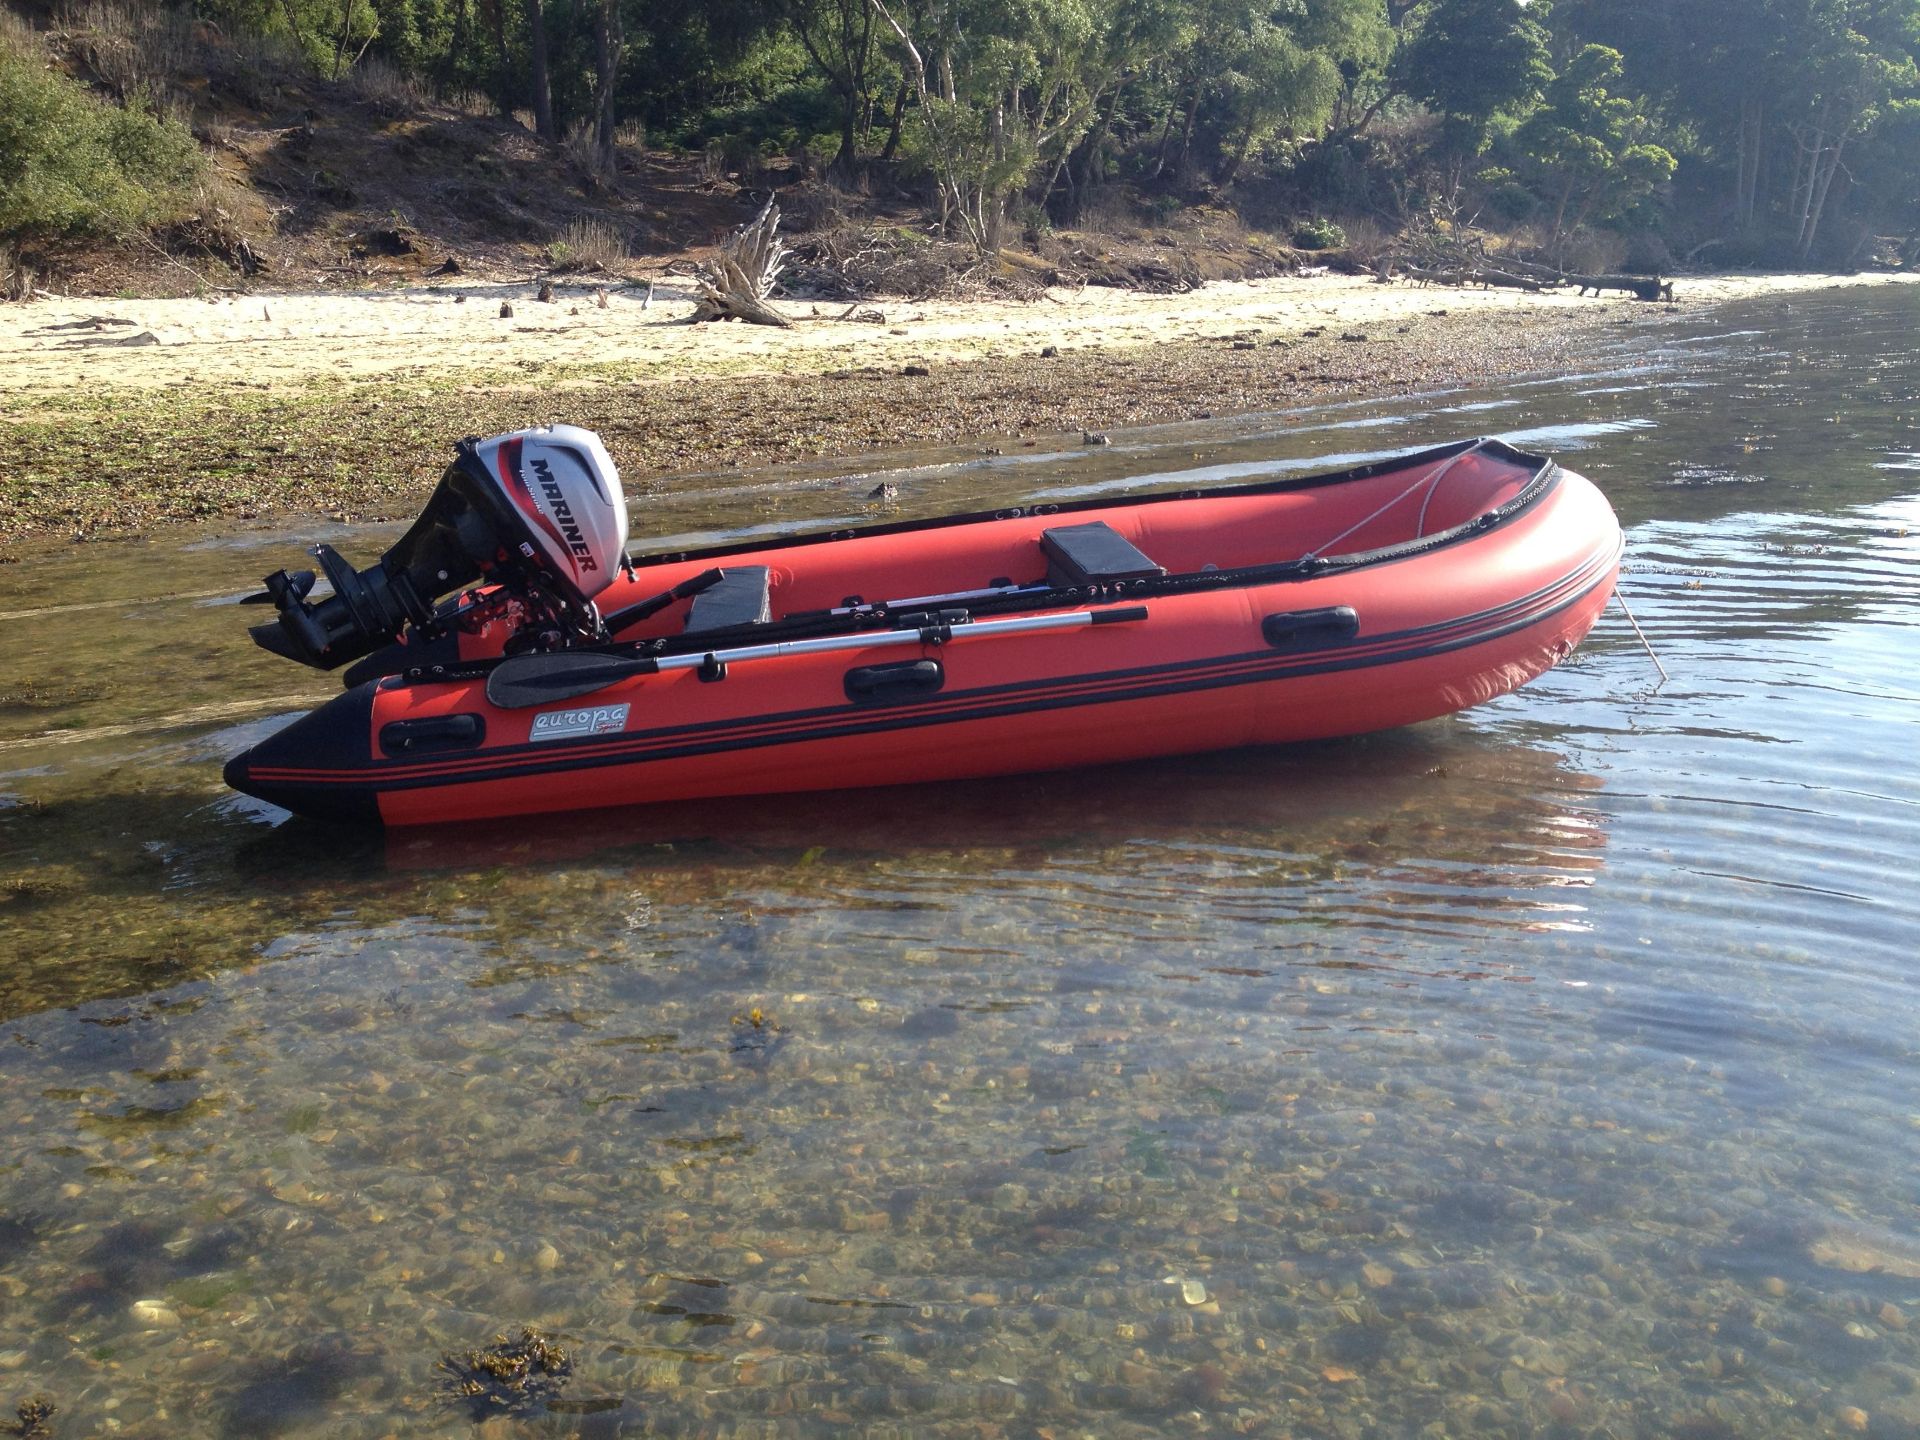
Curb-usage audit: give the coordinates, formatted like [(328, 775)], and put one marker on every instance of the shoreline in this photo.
[(346, 404)]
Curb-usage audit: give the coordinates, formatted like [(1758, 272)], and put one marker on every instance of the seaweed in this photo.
[(509, 1377)]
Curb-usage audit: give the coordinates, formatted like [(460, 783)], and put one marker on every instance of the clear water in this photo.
[(1547, 1071)]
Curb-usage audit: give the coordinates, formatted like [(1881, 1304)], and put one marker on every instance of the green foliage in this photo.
[(72, 164), (332, 34), (1471, 59), (1319, 234), (1588, 142), (1783, 119)]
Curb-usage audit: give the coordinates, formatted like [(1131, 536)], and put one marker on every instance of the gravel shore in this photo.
[(346, 405)]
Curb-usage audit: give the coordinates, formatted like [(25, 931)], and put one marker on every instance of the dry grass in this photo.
[(1583, 252), (1110, 211), (582, 149), (143, 51), (474, 104), (17, 34), (814, 207), (1368, 240), (385, 87), (588, 246)]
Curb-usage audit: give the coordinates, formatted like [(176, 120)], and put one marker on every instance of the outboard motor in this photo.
[(538, 513)]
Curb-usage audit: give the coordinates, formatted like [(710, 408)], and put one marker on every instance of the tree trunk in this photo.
[(455, 44), (1182, 167), (1560, 220), (953, 190), (503, 78), (1092, 158), (1747, 179), (847, 162), (898, 124), (344, 37), (1166, 139), (1812, 226), (537, 53), (1238, 158), (607, 49), (293, 24)]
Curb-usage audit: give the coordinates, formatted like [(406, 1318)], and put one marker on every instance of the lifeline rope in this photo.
[(1431, 481)]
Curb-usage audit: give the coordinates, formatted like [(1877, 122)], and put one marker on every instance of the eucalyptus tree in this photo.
[(1858, 59), (1245, 70), (1779, 95), (1591, 144), (1008, 89), (840, 39), (1469, 61)]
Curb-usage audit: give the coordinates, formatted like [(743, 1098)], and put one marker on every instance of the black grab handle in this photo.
[(1311, 629), (432, 735), (889, 684)]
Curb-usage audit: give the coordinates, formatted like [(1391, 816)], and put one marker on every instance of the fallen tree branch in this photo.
[(1641, 287)]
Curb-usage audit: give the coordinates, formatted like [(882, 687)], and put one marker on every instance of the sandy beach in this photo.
[(120, 414), (458, 333)]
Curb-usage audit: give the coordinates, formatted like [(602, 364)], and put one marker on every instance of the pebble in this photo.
[(154, 1314), (1853, 1418), (546, 1258), (1193, 1292)]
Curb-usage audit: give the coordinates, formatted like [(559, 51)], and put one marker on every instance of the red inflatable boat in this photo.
[(1033, 638)]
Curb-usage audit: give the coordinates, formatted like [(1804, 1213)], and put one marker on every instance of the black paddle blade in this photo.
[(524, 681)]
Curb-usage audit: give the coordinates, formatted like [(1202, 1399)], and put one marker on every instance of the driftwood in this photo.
[(1526, 275), (1473, 275), (1546, 274), (735, 284), (1507, 279), (1641, 287)]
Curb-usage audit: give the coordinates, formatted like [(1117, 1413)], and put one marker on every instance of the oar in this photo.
[(951, 597), (522, 681)]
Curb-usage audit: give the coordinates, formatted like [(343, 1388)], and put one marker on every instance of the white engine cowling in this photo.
[(538, 515), (565, 485)]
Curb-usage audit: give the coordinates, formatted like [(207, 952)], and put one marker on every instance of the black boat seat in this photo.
[(1093, 554), (739, 598)]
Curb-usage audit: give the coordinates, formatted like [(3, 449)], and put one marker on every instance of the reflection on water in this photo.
[(1545, 1071)]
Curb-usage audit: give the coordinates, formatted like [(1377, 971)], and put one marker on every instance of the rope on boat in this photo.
[(1433, 485), (1432, 482), (1641, 633)]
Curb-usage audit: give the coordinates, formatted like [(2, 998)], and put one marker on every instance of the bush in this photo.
[(1319, 235), (71, 164)]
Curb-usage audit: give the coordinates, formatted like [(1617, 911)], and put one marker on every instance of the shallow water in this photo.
[(1545, 1071)]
